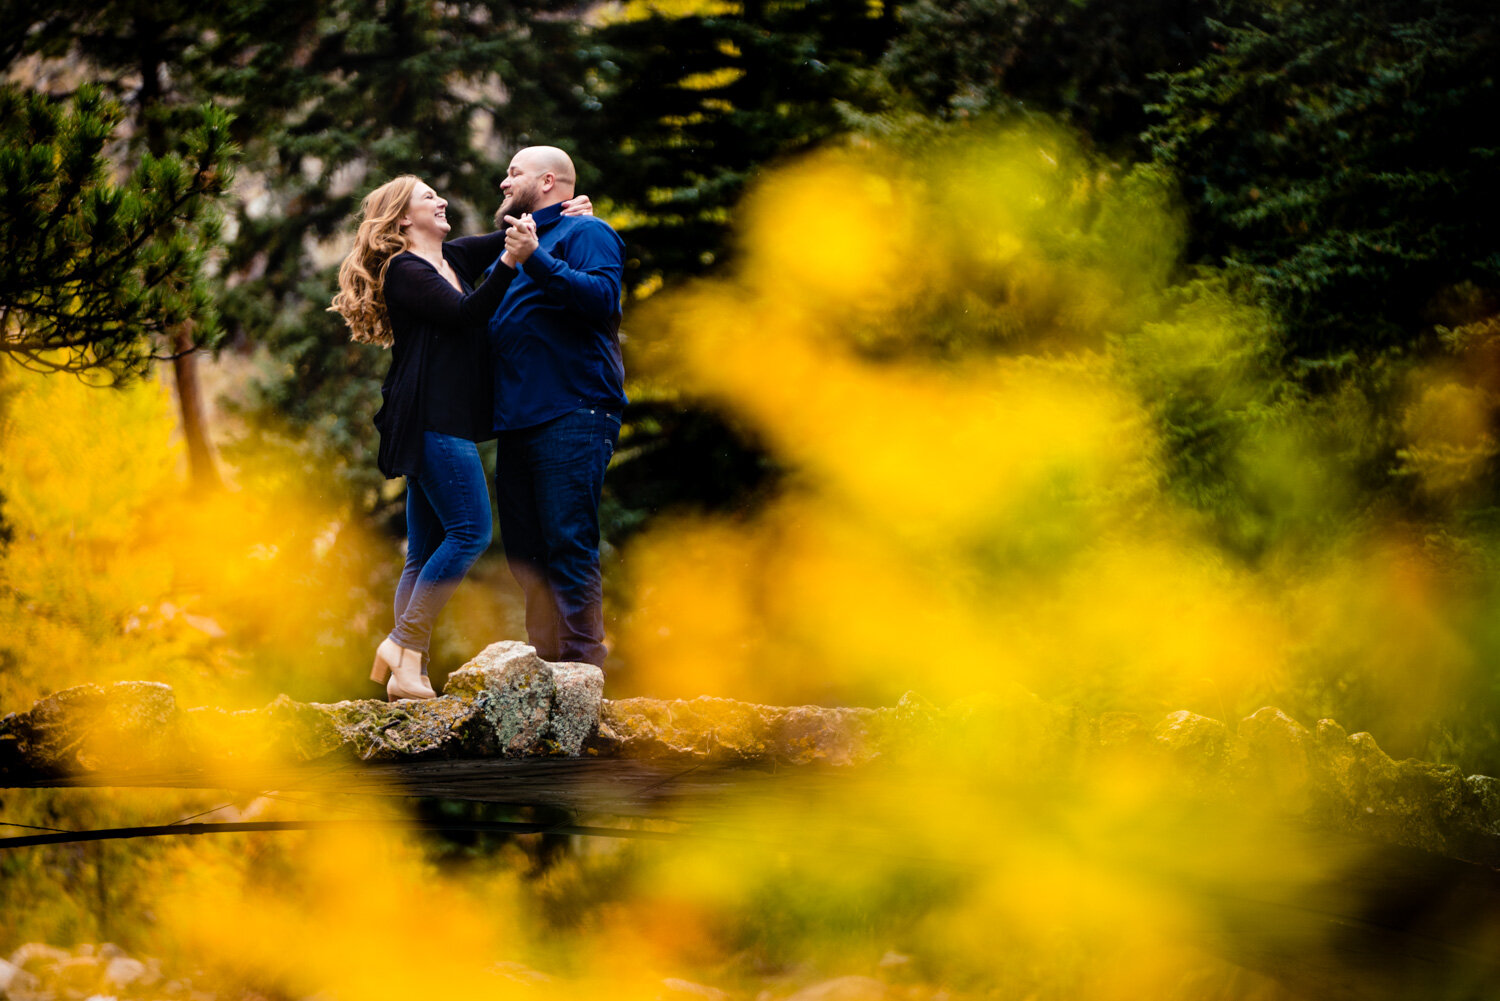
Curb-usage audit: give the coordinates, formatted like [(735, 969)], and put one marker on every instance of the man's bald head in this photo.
[(539, 176), (545, 159)]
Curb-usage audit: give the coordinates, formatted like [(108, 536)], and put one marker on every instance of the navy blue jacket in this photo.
[(555, 338)]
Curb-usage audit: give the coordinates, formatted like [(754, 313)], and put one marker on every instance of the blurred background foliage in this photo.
[(1145, 354)]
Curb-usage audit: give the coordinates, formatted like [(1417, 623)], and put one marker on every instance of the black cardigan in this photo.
[(440, 374)]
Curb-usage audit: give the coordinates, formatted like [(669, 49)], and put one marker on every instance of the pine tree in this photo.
[(694, 105), (1340, 155), (97, 274), (1091, 63), (136, 48)]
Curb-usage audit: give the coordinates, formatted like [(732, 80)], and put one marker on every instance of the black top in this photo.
[(440, 377)]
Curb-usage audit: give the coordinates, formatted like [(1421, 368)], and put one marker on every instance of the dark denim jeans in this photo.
[(547, 487), (447, 527)]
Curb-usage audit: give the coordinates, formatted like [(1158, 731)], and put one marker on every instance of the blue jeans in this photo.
[(548, 480), (447, 527)]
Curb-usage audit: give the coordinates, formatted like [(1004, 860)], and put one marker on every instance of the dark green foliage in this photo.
[(1343, 153), (674, 456), (96, 272), (1090, 62), (694, 106)]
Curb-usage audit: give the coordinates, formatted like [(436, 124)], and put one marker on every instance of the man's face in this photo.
[(522, 188)]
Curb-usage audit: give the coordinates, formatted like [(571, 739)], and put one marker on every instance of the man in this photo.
[(559, 396)]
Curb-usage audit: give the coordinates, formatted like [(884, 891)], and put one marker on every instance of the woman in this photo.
[(404, 288)]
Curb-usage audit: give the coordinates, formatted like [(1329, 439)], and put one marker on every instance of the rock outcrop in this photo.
[(507, 702), (530, 717), (38, 972), (528, 703)]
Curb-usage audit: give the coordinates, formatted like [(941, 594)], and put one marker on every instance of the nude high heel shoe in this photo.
[(403, 668)]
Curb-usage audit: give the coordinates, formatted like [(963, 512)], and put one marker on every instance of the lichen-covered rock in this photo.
[(79, 976), (535, 707), (489, 667), (38, 972), (12, 974), (446, 727), (304, 731), (518, 705), (677, 729), (509, 703), (284, 732), (123, 971), (34, 956), (1273, 753), (1196, 740), (723, 731), (126, 726), (1117, 731), (13, 763), (1360, 789), (578, 698), (1484, 793)]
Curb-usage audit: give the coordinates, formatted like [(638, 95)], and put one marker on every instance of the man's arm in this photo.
[(588, 281)]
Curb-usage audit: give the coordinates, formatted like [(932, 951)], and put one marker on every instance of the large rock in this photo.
[(534, 707), (126, 726), (1360, 789), (491, 665), (1274, 753), (411, 731), (506, 702), (10, 974), (1197, 740), (723, 731)]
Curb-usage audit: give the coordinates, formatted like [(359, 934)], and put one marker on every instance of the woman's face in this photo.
[(426, 213)]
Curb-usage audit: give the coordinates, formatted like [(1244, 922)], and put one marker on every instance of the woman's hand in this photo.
[(578, 205), (520, 239)]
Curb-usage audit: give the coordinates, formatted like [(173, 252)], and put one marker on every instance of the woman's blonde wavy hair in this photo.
[(361, 295)]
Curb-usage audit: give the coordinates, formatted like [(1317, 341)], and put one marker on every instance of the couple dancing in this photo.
[(530, 356)]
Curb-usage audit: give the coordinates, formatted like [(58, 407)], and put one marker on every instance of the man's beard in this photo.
[(516, 204)]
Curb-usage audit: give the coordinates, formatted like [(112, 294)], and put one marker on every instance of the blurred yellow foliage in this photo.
[(1452, 444), (115, 572), (974, 501)]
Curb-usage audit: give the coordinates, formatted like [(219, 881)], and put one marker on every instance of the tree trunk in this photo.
[(203, 470)]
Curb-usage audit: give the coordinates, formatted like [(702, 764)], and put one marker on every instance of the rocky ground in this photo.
[(37, 972)]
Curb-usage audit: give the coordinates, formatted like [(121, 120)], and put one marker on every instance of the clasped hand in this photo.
[(520, 239)]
